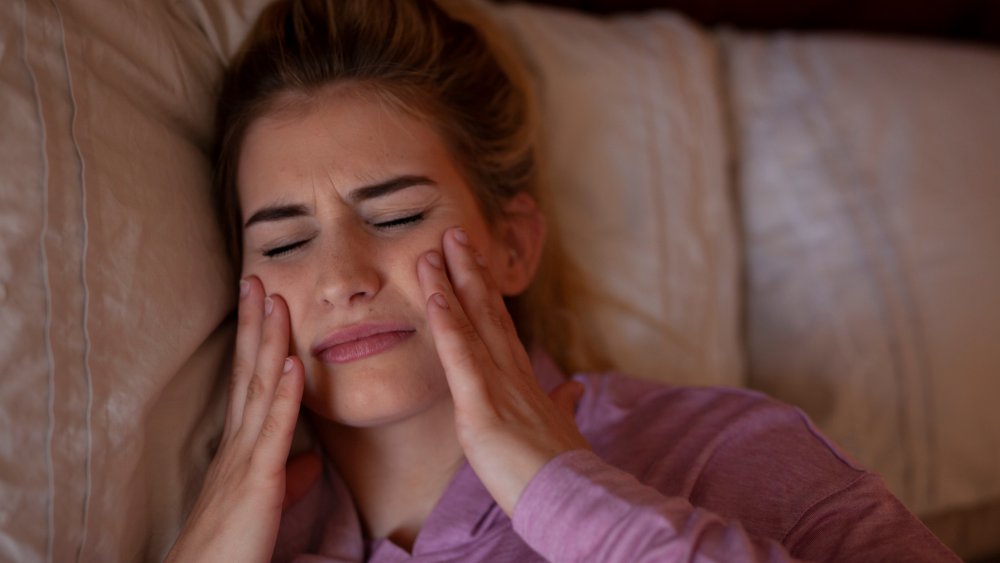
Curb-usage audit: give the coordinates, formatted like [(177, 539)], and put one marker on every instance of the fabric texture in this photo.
[(115, 283), (700, 474), (636, 160), (871, 194)]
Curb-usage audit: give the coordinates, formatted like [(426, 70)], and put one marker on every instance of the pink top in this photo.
[(711, 474)]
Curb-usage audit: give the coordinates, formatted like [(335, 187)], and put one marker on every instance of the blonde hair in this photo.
[(440, 69)]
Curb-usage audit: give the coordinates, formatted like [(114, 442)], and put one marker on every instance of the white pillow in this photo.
[(871, 189)]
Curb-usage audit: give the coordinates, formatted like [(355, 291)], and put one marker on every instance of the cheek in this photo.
[(286, 282), (291, 286), (401, 278)]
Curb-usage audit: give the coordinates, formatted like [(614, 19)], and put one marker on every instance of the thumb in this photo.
[(566, 397), (301, 474)]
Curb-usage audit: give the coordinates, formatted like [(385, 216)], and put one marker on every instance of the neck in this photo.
[(396, 472)]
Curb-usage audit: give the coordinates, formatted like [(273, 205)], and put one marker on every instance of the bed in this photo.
[(811, 213)]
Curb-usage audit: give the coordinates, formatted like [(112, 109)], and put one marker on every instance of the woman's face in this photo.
[(339, 200)]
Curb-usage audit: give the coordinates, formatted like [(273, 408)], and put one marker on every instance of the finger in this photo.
[(275, 439), (480, 299), (250, 317), (463, 354), (566, 397), (267, 368), (517, 350), (301, 474)]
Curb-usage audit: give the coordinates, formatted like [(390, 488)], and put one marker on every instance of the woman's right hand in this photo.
[(237, 514)]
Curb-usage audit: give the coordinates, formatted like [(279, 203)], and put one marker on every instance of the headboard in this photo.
[(967, 20)]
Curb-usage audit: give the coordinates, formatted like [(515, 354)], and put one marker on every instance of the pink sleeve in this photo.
[(579, 507)]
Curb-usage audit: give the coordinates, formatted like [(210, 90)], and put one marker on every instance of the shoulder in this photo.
[(614, 404), (614, 396), (737, 452)]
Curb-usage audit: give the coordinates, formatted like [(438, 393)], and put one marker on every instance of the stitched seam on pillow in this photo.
[(88, 413), (47, 322)]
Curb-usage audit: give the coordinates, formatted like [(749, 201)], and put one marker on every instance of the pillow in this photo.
[(115, 280), (869, 181), (633, 136), (115, 291)]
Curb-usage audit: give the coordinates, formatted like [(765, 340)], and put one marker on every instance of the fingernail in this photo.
[(244, 288), (461, 236), (480, 260), (268, 306), (288, 365), (435, 259), (440, 300)]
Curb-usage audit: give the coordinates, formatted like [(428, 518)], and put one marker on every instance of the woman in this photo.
[(377, 177)]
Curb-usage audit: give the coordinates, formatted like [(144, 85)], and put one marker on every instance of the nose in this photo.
[(349, 275)]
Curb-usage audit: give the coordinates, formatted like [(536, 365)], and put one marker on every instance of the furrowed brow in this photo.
[(381, 189), (389, 186), (276, 213)]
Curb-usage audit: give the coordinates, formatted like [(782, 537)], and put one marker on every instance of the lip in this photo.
[(360, 341)]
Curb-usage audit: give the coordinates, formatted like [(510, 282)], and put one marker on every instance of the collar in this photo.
[(326, 520)]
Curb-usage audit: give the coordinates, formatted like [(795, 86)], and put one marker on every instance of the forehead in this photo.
[(341, 138)]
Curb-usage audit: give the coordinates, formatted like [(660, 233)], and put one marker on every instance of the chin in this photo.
[(367, 396)]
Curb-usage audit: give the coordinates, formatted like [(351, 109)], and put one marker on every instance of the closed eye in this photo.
[(396, 223), (279, 251)]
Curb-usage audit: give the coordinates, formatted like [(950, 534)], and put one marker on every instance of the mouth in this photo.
[(360, 341)]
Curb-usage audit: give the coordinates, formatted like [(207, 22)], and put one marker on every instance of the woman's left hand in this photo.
[(507, 425)]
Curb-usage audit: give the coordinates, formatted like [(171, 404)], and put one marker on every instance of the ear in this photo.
[(520, 237)]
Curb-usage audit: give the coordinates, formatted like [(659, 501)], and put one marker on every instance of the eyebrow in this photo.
[(381, 189)]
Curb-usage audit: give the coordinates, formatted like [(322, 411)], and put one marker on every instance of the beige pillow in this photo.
[(634, 139), (871, 188), (115, 286)]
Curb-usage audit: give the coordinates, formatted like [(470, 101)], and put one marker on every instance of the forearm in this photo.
[(579, 507)]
